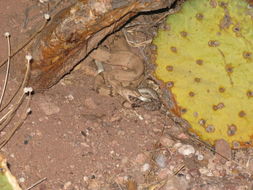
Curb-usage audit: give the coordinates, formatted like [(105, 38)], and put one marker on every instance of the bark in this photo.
[(75, 31)]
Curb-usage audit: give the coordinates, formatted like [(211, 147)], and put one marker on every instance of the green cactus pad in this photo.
[(7, 180), (205, 56)]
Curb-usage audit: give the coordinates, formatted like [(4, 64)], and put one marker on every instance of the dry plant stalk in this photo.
[(22, 92), (28, 41), (37, 183)]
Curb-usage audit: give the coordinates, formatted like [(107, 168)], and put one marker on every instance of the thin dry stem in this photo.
[(11, 99), (179, 169), (37, 183), (119, 186), (26, 43), (7, 118), (16, 52), (170, 12), (17, 105), (8, 136), (136, 44), (7, 70)]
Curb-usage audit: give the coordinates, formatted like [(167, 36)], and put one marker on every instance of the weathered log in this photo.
[(75, 31)]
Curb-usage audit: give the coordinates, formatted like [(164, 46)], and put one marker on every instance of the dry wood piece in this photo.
[(75, 31)]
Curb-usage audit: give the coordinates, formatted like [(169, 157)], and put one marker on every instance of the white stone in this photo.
[(177, 145), (67, 185), (186, 150), (145, 167), (161, 161), (200, 157), (21, 180)]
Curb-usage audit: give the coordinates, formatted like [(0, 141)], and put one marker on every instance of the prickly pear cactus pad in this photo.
[(205, 57), (7, 180)]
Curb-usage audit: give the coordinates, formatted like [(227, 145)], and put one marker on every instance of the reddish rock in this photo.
[(223, 151)]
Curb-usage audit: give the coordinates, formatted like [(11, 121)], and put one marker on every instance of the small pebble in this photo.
[(67, 185), (156, 130), (186, 150), (188, 177), (85, 145), (250, 164), (194, 172), (177, 145), (161, 161), (223, 150), (141, 158), (2, 133), (200, 157), (182, 136), (21, 180), (174, 183), (120, 179), (164, 173), (85, 178), (205, 171), (89, 103), (121, 133), (167, 142), (70, 97), (145, 167), (124, 160), (26, 142), (115, 118), (94, 185)]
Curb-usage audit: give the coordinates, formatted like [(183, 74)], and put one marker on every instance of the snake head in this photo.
[(128, 93)]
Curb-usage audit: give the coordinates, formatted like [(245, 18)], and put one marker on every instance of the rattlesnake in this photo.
[(124, 78)]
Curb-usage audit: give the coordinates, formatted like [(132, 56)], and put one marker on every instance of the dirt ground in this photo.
[(78, 139)]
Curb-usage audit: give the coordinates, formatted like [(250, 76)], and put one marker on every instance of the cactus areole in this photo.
[(205, 57)]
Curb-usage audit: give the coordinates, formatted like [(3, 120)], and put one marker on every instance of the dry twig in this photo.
[(22, 90), (37, 183), (28, 41), (5, 120), (7, 35)]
